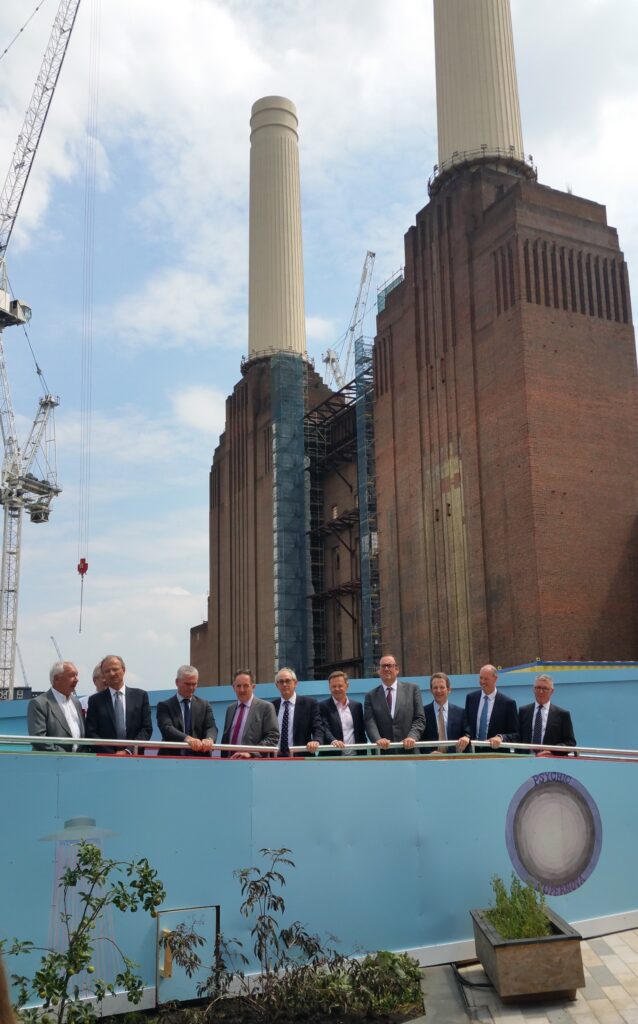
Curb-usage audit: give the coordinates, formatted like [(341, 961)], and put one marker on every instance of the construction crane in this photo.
[(342, 371), (20, 489)]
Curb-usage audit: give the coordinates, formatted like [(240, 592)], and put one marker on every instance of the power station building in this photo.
[(470, 496)]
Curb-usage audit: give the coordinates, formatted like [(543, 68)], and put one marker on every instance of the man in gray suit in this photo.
[(393, 712), (57, 712), (249, 720)]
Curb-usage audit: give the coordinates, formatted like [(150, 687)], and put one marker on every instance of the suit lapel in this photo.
[(551, 725), (59, 714), (383, 704), (335, 720)]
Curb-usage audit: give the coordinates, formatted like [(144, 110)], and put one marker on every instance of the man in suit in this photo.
[(249, 720), (57, 712), (341, 719), (118, 712), (544, 722), (488, 714), (98, 683), (394, 710), (298, 717), (186, 718), (443, 721)]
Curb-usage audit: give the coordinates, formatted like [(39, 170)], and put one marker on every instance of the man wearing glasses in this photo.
[(298, 718), (544, 722), (393, 712)]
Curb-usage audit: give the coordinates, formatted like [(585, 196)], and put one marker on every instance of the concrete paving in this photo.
[(610, 995)]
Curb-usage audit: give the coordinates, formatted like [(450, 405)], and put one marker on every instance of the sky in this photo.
[(173, 89)]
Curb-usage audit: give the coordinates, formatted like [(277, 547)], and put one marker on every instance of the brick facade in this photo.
[(505, 423)]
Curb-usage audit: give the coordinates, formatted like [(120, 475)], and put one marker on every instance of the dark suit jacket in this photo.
[(171, 723), (100, 720), (261, 728), (409, 717), (331, 722), (456, 724), (559, 726), (503, 721), (306, 723), (45, 717)]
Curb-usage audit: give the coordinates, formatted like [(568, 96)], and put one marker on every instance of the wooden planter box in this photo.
[(550, 967)]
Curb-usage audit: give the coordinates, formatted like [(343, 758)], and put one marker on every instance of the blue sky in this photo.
[(171, 250)]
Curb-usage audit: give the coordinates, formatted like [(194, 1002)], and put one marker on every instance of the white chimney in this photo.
[(478, 111), (276, 312)]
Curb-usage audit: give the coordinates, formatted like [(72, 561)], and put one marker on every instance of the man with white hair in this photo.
[(58, 711), (543, 722), (185, 718)]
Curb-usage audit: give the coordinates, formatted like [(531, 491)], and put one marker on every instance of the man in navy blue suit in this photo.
[(489, 715), (299, 714), (546, 722), (443, 721), (341, 718), (119, 711)]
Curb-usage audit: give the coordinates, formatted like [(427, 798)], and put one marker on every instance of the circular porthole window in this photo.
[(554, 832)]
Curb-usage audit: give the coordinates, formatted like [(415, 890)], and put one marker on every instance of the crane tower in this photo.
[(20, 489)]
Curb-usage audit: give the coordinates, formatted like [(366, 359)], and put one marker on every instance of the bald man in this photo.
[(489, 715)]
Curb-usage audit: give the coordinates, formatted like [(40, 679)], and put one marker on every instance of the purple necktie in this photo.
[(388, 697), (239, 718)]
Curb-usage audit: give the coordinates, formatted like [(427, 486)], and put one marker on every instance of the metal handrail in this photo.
[(70, 741), (425, 745)]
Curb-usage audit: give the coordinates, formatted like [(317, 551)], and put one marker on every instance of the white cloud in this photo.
[(320, 329), (202, 408)]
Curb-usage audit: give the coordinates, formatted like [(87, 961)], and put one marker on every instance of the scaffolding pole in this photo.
[(368, 536)]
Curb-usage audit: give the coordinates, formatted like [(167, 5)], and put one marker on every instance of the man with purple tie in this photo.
[(249, 720), (393, 712)]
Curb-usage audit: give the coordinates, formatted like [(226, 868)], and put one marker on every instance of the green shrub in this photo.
[(519, 913), (301, 978)]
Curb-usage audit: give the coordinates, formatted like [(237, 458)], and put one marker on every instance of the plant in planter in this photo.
[(526, 949)]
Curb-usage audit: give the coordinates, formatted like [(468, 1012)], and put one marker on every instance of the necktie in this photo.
[(388, 697), (482, 733), (284, 747), (441, 727), (538, 726), (239, 718), (120, 725), (186, 705)]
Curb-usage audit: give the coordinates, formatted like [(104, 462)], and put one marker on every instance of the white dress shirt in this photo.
[(70, 713), (347, 723)]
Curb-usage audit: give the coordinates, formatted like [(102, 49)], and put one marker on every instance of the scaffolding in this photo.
[(290, 583), (330, 443), (368, 536), (382, 294)]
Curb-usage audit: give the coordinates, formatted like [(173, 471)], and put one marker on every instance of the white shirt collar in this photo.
[(61, 699)]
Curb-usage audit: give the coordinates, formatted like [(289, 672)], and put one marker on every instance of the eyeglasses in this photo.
[(542, 689), (286, 679), (389, 664)]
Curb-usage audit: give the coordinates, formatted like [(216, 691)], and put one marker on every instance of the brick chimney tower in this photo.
[(505, 396)]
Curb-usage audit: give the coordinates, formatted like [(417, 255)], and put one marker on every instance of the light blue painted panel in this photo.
[(390, 852)]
